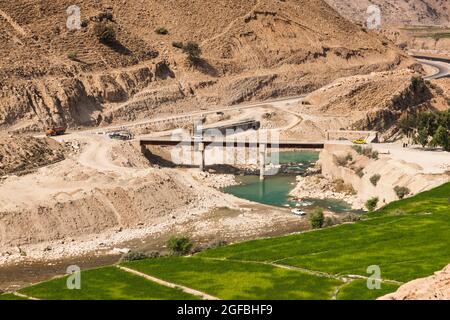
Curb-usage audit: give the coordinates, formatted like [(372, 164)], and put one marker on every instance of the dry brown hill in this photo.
[(251, 50), (397, 12), (372, 102), (24, 153)]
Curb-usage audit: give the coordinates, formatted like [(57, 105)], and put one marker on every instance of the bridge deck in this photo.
[(282, 144)]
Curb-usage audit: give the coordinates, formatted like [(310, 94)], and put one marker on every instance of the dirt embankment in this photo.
[(416, 170), (22, 154), (252, 50), (436, 287), (109, 194)]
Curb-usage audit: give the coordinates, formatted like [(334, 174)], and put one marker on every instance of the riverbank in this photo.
[(46, 260), (382, 169), (92, 205), (297, 183), (318, 187)]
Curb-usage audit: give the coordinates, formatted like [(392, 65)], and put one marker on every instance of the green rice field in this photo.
[(408, 239)]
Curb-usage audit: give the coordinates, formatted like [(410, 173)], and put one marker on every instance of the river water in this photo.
[(274, 190)]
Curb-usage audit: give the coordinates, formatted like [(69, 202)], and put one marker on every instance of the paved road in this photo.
[(197, 114), (186, 116), (442, 66)]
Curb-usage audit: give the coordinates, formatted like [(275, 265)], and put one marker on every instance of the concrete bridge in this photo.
[(200, 144)]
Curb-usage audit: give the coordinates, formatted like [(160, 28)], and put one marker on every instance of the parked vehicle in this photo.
[(55, 131), (359, 141), (123, 136), (298, 212)]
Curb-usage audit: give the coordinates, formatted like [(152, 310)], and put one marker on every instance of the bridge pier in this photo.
[(143, 149), (201, 149), (262, 161)]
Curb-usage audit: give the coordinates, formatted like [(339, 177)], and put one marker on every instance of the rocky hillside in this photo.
[(375, 101), (250, 50), (397, 12), (22, 154)]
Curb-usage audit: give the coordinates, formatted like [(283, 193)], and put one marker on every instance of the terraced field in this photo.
[(407, 240), (106, 284)]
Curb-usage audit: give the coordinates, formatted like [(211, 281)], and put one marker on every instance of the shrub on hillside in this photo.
[(374, 155), (344, 160), (375, 179), (351, 218), (360, 172), (317, 219), (137, 256), (213, 245), (372, 204), (177, 44), (193, 52), (358, 149), (179, 245), (366, 151), (161, 31), (340, 186), (72, 56), (328, 222), (402, 192), (105, 16), (105, 32)]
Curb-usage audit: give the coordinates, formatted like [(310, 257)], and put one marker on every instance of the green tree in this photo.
[(375, 179), (422, 137), (408, 124), (161, 31), (179, 245), (106, 32), (401, 192), (441, 138), (317, 219), (193, 51), (372, 204), (428, 121)]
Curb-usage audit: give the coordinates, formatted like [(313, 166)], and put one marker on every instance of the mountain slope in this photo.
[(397, 12), (251, 50)]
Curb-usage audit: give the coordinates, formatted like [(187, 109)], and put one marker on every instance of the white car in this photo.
[(298, 212)]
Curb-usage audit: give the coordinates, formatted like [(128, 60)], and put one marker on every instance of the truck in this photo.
[(55, 131), (120, 135)]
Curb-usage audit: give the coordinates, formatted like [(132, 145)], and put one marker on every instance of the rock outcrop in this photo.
[(392, 169), (436, 287)]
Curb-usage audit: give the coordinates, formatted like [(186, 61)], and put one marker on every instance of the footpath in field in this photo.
[(106, 284), (406, 240)]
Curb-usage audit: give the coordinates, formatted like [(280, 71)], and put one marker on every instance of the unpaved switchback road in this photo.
[(97, 154)]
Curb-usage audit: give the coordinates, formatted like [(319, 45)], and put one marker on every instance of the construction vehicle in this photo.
[(55, 131), (360, 142)]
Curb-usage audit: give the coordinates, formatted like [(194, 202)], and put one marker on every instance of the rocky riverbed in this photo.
[(318, 187)]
